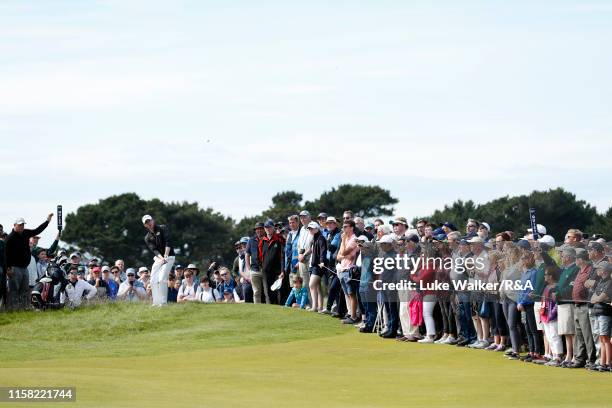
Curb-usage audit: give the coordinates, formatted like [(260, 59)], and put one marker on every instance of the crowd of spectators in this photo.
[(559, 314)]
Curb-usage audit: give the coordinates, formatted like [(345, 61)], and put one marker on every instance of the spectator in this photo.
[(227, 284), (18, 257), (119, 263), (96, 281), (116, 275), (573, 237), (291, 247), (179, 273), (273, 265), (565, 306), (400, 225), (334, 287), (318, 262), (471, 229), (601, 308), (525, 306), (304, 248), (76, 288), (420, 227), (585, 352), (131, 289), (112, 286), (173, 288), (483, 231), (322, 221), (187, 291), (245, 279), (207, 294), (254, 261), (597, 255), (347, 256), (143, 276), (298, 298), (548, 314)]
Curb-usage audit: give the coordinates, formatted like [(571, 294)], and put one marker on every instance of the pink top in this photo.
[(349, 260)]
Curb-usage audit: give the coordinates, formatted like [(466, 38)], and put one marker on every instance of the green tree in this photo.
[(364, 201), (112, 229), (557, 209)]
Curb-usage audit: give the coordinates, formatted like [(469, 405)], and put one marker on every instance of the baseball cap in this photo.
[(19, 221), (540, 229), (476, 240), (369, 225), (412, 237), (106, 268), (304, 213), (193, 267), (313, 225), (386, 239), (146, 218), (331, 219), (547, 240), (322, 215), (486, 225), (259, 225), (363, 238), (244, 240), (400, 220), (178, 266), (75, 254), (130, 271), (450, 225), (269, 224)]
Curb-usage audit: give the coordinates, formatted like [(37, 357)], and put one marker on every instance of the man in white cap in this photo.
[(158, 242), (18, 257)]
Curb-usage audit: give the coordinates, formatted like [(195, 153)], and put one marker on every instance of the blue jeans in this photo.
[(371, 308), (465, 317)]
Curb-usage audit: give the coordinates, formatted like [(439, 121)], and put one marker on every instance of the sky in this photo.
[(227, 103)]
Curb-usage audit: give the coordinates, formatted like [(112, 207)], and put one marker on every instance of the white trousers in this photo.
[(159, 280), (552, 334)]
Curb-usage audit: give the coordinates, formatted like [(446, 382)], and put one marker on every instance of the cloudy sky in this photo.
[(227, 103)]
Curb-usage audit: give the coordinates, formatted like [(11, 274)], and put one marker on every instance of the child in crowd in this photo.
[(298, 298), (548, 315)]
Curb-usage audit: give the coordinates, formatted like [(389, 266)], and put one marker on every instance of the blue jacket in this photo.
[(299, 296), (530, 276), (291, 253)]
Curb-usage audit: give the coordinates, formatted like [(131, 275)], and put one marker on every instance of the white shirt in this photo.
[(209, 295), (187, 292), (305, 241), (74, 292)]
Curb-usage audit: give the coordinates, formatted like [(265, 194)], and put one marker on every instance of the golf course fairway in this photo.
[(244, 355)]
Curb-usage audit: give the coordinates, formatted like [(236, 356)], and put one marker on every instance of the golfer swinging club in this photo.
[(158, 242)]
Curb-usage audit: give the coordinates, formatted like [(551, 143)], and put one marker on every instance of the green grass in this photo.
[(264, 356)]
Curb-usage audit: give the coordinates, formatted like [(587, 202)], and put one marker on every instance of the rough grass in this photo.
[(121, 329), (265, 356)]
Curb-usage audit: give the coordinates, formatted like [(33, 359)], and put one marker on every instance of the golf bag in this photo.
[(43, 293)]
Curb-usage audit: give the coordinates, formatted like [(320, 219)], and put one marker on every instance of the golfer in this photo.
[(158, 242)]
